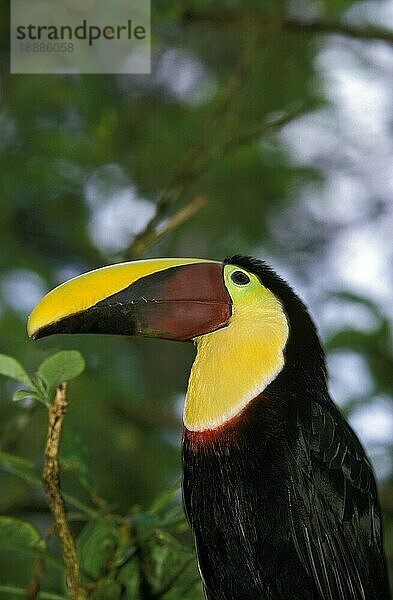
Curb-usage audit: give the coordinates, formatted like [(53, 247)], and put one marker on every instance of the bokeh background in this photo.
[(264, 129)]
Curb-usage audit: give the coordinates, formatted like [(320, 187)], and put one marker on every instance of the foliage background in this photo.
[(85, 161)]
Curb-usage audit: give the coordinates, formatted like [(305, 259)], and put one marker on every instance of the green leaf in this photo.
[(21, 467), (59, 367), (144, 523), (74, 457), (43, 393), (167, 562), (16, 534), (107, 590), (165, 498), (97, 545), (25, 470), (17, 592), (130, 577), (24, 394), (11, 368), (352, 297)]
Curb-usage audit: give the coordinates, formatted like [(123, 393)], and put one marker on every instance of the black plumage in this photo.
[(282, 499)]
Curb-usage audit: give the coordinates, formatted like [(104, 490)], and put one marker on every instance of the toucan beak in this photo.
[(176, 299)]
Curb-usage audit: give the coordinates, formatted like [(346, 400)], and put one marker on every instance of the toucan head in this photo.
[(247, 321), (168, 298)]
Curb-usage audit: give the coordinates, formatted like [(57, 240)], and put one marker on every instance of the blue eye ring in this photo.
[(240, 278)]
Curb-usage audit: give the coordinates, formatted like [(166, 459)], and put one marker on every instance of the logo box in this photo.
[(70, 36)]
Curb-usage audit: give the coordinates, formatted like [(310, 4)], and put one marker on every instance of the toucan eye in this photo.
[(240, 278)]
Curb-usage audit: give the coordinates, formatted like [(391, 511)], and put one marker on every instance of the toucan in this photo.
[(279, 493)]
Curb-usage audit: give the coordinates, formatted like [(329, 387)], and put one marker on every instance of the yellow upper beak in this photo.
[(86, 291)]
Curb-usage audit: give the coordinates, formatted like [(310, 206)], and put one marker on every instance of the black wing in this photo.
[(335, 516)]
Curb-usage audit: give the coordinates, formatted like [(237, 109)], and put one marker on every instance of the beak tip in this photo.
[(32, 332), (36, 333)]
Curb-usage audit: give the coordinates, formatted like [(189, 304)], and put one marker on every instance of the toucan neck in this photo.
[(232, 367)]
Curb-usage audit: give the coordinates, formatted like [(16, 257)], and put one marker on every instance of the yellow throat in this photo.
[(236, 363)]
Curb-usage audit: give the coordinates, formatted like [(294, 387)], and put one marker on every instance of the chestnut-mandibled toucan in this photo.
[(279, 493)]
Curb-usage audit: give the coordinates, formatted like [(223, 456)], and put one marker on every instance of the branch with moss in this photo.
[(274, 22), (51, 480)]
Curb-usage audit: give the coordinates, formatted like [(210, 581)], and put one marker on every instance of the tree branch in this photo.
[(196, 160), (152, 233), (142, 242), (364, 32), (35, 585), (51, 480), (269, 126), (269, 21)]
